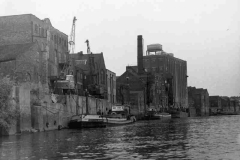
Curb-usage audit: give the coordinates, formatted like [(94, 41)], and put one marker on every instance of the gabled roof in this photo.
[(132, 68), (98, 60), (11, 52)]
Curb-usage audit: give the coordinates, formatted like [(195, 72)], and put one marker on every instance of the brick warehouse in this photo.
[(200, 98), (131, 91), (111, 86), (215, 104), (172, 74), (33, 53), (21, 62), (27, 28), (93, 66), (158, 81)]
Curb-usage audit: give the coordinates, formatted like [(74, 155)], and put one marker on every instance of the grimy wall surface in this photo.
[(167, 65), (49, 115), (137, 103), (27, 28), (15, 29)]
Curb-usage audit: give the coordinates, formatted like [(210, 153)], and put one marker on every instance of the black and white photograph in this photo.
[(120, 79)]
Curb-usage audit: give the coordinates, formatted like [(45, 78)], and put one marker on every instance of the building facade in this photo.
[(200, 99), (131, 90), (21, 62), (170, 75), (94, 69), (225, 102), (111, 86), (27, 28), (236, 103), (215, 104), (159, 79)]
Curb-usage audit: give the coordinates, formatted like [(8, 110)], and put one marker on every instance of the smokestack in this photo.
[(140, 54)]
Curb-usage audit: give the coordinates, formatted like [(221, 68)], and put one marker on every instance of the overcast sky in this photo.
[(205, 33)]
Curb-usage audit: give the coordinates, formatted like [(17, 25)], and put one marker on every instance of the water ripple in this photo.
[(193, 138)]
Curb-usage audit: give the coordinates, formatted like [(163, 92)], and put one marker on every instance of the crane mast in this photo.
[(72, 37), (66, 80), (88, 47), (66, 67), (91, 61)]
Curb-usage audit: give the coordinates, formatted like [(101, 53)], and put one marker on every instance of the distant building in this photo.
[(236, 103), (215, 104), (131, 91), (225, 102), (111, 86), (158, 81), (191, 102), (93, 67), (169, 71), (27, 28), (200, 99)]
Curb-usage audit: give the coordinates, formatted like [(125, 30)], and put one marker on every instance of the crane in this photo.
[(88, 46), (66, 82), (71, 42), (72, 37), (91, 61)]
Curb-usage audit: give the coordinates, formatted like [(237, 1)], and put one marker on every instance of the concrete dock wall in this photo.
[(25, 108), (53, 112)]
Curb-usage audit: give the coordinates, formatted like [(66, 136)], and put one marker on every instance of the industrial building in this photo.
[(111, 86), (158, 81), (214, 104), (93, 69), (170, 75), (53, 44), (200, 99)]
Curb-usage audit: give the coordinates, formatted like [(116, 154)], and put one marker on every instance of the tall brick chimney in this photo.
[(140, 54)]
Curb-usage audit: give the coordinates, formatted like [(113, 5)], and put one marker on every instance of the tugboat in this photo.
[(119, 115), (151, 114)]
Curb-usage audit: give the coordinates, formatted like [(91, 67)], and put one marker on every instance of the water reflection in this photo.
[(195, 138)]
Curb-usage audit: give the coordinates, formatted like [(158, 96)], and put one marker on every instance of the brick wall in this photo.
[(15, 29), (28, 28), (25, 66), (28, 64), (168, 65), (7, 68)]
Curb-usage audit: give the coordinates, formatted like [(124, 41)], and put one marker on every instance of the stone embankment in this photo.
[(54, 111)]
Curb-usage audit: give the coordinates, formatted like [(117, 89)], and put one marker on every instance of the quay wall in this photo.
[(53, 112), (192, 112)]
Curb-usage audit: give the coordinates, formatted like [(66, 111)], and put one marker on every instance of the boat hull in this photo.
[(179, 114), (151, 117), (166, 117), (119, 121), (88, 121), (158, 116), (85, 124)]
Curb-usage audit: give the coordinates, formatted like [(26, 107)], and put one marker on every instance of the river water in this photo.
[(191, 138)]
